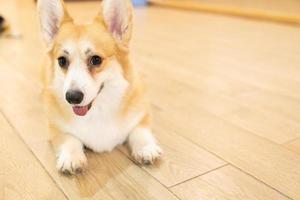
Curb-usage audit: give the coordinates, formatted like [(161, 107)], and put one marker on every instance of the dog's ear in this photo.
[(51, 14), (117, 15)]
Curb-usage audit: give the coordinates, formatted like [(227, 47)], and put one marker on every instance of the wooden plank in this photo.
[(268, 75), (176, 166), (181, 104), (293, 145), (286, 6), (222, 74), (22, 176), (202, 131), (226, 183), (265, 123), (254, 96), (207, 47), (254, 155), (230, 10), (271, 102), (234, 58)]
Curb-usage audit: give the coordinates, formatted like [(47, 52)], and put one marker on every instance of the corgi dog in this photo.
[(94, 96)]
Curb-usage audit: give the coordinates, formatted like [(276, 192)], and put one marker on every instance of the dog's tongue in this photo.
[(80, 110)]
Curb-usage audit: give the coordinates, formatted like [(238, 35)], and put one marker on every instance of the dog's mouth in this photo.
[(82, 110)]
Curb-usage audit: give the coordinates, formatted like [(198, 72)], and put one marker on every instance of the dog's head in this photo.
[(85, 57)]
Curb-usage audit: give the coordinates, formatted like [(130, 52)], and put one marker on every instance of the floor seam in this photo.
[(140, 166), (238, 167), (289, 141), (207, 172), (31, 151), (261, 181)]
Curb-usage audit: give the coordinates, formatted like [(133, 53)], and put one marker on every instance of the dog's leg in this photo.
[(70, 153), (144, 147)]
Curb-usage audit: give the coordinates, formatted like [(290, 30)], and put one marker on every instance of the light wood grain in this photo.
[(230, 71), (237, 145), (226, 183), (293, 145), (233, 10), (201, 122), (22, 177), (287, 6), (255, 155), (279, 6), (222, 89), (265, 123), (176, 166)]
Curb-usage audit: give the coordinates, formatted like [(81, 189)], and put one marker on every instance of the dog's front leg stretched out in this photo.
[(143, 145), (69, 151)]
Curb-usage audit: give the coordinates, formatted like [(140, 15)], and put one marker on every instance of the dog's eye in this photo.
[(63, 62), (95, 60)]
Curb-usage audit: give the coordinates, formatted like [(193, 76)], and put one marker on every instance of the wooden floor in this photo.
[(226, 101)]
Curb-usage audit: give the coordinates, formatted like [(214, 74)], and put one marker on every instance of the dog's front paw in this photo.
[(71, 162), (147, 154)]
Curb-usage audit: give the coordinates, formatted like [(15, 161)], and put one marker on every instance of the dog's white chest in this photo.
[(102, 128), (100, 131)]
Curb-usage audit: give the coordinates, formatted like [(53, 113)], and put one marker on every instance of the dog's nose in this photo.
[(74, 96)]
